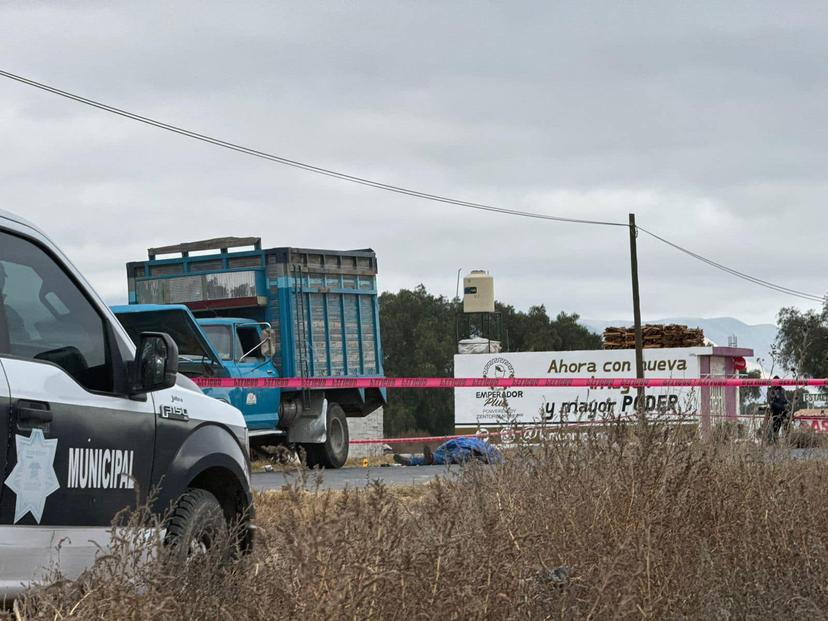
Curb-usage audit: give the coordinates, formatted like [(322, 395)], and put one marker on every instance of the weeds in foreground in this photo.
[(648, 524)]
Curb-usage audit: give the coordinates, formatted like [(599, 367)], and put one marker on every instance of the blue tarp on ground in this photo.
[(460, 451)]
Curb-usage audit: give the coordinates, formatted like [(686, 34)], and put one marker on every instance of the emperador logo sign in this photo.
[(493, 406), (499, 368)]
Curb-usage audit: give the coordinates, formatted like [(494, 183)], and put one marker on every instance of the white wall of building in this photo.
[(367, 428)]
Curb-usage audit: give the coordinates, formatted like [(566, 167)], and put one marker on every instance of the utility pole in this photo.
[(639, 340)]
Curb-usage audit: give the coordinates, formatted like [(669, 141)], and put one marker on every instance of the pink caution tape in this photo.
[(502, 382), (534, 432), (483, 434), (420, 440)]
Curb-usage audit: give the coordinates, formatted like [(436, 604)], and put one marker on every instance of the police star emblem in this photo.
[(33, 477)]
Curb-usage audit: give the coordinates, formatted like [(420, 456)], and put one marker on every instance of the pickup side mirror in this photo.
[(156, 363)]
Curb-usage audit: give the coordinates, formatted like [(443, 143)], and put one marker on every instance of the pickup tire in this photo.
[(333, 452), (195, 525)]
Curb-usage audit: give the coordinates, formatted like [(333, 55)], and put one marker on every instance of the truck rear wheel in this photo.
[(333, 452)]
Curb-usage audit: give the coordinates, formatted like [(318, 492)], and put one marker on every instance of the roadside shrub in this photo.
[(806, 438), (728, 431), (649, 524)]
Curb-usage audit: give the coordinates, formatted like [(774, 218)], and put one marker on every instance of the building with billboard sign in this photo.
[(475, 408)]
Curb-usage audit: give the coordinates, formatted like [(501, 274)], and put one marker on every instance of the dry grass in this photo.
[(646, 525)]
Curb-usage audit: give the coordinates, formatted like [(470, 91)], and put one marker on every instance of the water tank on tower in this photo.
[(478, 292)]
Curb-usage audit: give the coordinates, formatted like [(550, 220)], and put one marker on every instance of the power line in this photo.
[(297, 164), (736, 273), (733, 272), (389, 187)]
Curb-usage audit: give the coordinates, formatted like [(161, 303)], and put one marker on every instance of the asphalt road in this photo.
[(354, 477), (417, 475)]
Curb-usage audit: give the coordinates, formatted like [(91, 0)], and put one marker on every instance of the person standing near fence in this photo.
[(778, 403)]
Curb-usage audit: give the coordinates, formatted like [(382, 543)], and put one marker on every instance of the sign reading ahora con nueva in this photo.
[(474, 407), (559, 366)]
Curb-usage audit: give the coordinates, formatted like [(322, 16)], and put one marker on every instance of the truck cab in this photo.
[(230, 347), (99, 421), (245, 348)]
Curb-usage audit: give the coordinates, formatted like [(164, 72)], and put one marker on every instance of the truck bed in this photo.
[(322, 303)]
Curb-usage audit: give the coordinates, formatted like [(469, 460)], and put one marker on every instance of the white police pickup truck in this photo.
[(89, 426)]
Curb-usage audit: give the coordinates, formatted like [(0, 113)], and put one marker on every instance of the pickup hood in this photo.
[(174, 319)]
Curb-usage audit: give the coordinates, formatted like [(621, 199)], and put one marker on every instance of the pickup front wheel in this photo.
[(333, 452), (195, 525)]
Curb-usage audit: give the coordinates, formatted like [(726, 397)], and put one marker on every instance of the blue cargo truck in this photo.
[(237, 310)]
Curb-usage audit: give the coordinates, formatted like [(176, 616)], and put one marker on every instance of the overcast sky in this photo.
[(708, 120)]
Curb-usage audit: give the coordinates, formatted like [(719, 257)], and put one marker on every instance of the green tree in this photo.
[(418, 340), (749, 395), (535, 331), (802, 341), (574, 336)]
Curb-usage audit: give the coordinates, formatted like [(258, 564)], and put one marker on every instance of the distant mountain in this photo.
[(758, 337)]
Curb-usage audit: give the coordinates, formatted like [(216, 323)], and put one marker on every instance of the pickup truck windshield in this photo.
[(222, 340)]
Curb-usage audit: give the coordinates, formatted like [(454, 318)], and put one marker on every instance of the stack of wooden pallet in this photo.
[(655, 336), (619, 338)]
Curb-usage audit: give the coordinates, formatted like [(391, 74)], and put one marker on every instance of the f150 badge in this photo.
[(173, 412)]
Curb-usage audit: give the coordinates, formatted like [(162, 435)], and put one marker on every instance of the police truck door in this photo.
[(78, 448)]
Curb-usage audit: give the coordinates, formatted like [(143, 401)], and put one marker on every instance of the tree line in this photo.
[(800, 350), (801, 346), (419, 337)]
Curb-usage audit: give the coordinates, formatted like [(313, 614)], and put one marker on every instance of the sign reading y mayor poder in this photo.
[(480, 406)]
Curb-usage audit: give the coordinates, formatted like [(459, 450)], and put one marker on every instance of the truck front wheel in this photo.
[(333, 452)]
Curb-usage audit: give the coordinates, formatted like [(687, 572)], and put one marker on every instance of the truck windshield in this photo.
[(222, 340), (250, 339)]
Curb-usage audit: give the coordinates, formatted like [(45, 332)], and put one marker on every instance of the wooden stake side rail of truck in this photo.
[(319, 308)]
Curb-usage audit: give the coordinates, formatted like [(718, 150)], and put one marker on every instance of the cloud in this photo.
[(704, 119)]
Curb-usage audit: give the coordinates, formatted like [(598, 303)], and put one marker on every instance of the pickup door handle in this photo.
[(35, 412)]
